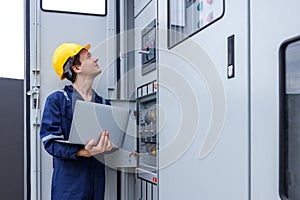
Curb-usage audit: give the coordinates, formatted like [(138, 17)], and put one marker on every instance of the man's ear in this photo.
[(76, 68)]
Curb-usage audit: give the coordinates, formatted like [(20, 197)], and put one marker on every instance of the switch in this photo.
[(145, 90), (150, 88), (200, 6), (230, 57), (139, 93), (230, 71), (200, 23)]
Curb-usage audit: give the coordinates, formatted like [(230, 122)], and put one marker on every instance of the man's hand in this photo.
[(103, 145)]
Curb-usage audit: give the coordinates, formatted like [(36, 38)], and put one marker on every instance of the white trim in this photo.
[(65, 93), (48, 137)]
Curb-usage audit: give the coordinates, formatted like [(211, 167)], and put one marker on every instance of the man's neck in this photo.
[(84, 88)]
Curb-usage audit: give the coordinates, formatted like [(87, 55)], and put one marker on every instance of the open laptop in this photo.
[(90, 119)]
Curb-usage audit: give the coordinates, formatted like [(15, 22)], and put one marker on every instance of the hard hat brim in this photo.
[(87, 46)]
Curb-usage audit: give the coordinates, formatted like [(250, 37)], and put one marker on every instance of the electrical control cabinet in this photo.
[(145, 62), (147, 141), (147, 134)]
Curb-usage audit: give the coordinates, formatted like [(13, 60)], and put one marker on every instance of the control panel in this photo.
[(148, 50), (147, 132)]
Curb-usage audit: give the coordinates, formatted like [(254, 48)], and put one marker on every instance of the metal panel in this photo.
[(128, 190), (12, 139), (144, 190), (111, 189), (149, 191), (269, 29), (203, 115), (48, 30), (141, 21), (123, 157), (138, 194), (155, 192), (139, 6)]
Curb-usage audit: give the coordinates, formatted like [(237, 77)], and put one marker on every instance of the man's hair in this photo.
[(68, 70)]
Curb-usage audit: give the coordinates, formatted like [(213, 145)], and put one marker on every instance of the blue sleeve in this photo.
[(51, 130), (100, 99), (107, 102)]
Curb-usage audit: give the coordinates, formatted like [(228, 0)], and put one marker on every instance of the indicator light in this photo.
[(153, 152), (210, 17), (154, 179)]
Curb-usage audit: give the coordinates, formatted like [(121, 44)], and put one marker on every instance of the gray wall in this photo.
[(12, 139)]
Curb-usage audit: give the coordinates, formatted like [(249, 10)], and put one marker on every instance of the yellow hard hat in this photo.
[(63, 53)]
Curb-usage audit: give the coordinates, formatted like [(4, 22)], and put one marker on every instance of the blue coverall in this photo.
[(73, 177)]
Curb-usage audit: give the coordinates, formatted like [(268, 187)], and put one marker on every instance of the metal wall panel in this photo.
[(12, 139), (269, 29)]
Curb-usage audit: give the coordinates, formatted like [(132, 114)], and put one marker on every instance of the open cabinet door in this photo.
[(48, 29)]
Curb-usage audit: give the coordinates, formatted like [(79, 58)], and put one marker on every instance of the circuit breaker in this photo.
[(148, 50)]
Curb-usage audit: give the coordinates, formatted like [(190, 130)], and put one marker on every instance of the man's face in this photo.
[(89, 64)]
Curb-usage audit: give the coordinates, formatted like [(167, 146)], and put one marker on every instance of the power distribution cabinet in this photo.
[(147, 140), (147, 128)]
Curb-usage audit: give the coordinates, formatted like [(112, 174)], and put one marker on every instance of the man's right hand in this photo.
[(103, 145)]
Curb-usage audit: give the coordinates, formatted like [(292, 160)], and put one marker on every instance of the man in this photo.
[(77, 174)]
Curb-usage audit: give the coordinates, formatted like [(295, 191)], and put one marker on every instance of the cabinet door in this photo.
[(269, 31), (49, 27), (204, 100)]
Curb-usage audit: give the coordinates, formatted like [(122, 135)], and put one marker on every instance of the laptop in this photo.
[(90, 119)]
